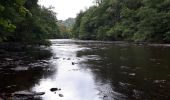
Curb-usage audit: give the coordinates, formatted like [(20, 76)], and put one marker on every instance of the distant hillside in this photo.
[(65, 27), (68, 22)]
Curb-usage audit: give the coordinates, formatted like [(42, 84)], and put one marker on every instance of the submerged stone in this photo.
[(27, 94), (54, 89), (73, 63), (39, 93), (61, 95)]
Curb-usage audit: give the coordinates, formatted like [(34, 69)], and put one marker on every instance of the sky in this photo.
[(67, 8)]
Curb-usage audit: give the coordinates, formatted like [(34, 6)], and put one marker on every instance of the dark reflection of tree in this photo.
[(131, 70), (35, 59)]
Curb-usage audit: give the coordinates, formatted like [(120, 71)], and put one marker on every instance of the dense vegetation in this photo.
[(131, 20), (27, 22), (65, 27)]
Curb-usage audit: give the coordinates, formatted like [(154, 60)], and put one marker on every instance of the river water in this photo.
[(94, 70)]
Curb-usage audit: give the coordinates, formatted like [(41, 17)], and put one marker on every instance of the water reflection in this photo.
[(75, 82), (131, 70), (20, 70), (93, 70)]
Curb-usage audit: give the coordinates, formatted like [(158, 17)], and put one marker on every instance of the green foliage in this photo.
[(27, 22), (1, 8), (167, 36), (65, 27), (132, 20), (20, 2), (23, 11), (76, 27), (7, 25)]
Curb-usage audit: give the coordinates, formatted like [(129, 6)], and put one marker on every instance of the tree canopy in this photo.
[(131, 20), (27, 22)]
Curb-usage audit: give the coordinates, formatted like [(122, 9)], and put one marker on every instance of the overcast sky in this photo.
[(67, 8)]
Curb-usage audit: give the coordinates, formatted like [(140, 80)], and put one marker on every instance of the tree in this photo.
[(10, 10), (27, 22), (130, 20)]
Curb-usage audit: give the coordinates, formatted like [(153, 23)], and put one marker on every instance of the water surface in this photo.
[(95, 70)]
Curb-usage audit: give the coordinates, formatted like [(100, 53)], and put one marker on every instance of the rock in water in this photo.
[(55, 57), (39, 93), (53, 89), (73, 63), (27, 94), (23, 93), (61, 95)]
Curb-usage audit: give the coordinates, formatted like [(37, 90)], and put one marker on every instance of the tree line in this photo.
[(130, 20), (27, 22)]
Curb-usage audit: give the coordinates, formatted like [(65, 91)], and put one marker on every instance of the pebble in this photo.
[(61, 95)]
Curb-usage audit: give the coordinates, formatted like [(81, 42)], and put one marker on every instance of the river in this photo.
[(91, 70)]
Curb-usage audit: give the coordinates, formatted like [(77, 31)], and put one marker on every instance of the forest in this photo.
[(125, 20), (25, 21)]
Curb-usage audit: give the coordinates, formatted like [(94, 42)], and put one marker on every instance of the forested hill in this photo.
[(68, 22), (131, 20), (25, 21), (65, 27)]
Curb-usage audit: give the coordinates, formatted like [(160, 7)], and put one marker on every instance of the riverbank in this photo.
[(18, 63)]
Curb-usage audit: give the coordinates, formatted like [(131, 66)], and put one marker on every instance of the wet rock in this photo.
[(8, 59), (11, 86), (39, 93), (124, 84), (75, 69), (27, 94), (73, 63), (61, 95), (105, 96), (137, 94), (20, 68), (55, 57), (45, 61), (68, 58), (159, 81), (23, 94), (132, 74), (124, 67), (54, 89)]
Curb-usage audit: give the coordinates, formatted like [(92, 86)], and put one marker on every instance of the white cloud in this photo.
[(67, 8)]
